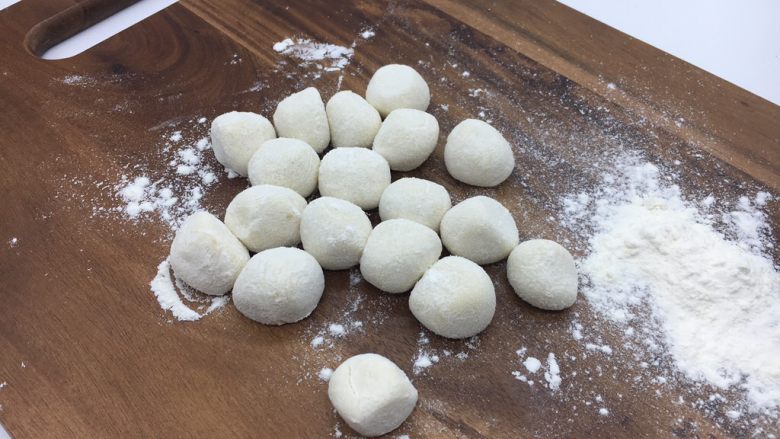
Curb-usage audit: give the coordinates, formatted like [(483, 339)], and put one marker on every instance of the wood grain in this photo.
[(101, 358)]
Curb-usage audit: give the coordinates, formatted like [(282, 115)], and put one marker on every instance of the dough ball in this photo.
[(421, 201), (302, 116), (279, 285), (397, 254), (334, 231), (397, 86), (477, 154), (266, 216), (455, 298), (480, 229), (543, 274), (407, 138), (357, 175), (353, 121), (371, 394), (206, 256), (235, 136), (289, 163)]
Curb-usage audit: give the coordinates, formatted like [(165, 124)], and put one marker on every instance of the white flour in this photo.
[(716, 299), (329, 57), (164, 287)]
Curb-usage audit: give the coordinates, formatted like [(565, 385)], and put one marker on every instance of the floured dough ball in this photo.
[(415, 199), (266, 216), (543, 274), (206, 256), (477, 154), (289, 163), (353, 121), (455, 298), (407, 138), (280, 285), (397, 86), (357, 175), (334, 231), (302, 116), (235, 136), (371, 394), (479, 229), (397, 254)]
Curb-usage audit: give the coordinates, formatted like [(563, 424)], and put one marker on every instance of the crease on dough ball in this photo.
[(396, 86), (357, 175), (480, 229), (206, 255), (544, 274), (289, 163), (407, 138), (477, 154), (334, 231), (302, 116), (397, 254), (353, 121), (235, 136), (415, 199)]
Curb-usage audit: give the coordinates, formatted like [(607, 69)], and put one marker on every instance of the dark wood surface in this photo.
[(103, 360)]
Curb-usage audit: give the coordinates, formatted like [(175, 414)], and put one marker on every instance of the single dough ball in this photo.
[(407, 138), (279, 285), (371, 394), (421, 201), (353, 121), (543, 274), (477, 154), (206, 256), (357, 175), (334, 231), (480, 229), (302, 116), (235, 136), (397, 254), (455, 298), (266, 216), (289, 163), (397, 86)]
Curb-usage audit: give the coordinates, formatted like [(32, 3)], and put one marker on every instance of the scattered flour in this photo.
[(604, 411), (553, 373), (325, 374), (164, 287), (13, 242), (329, 57), (532, 364), (367, 34)]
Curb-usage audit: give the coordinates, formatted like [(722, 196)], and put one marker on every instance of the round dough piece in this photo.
[(480, 229), (353, 121), (334, 231), (206, 256), (266, 216), (455, 298), (302, 116), (371, 394), (235, 136), (543, 274), (397, 86), (407, 138), (415, 199), (279, 285), (357, 175), (477, 154), (397, 254), (289, 163)]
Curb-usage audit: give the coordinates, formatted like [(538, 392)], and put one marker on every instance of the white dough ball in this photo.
[(357, 175), (397, 86), (407, 138), (397, 254), (543, 274), (266, 216), (279, 285), (334, 231), (206, 256), (371, 394), (480, 229), (415, 199), (302, 116), (289, 163), (477, 154), (353, 121), (235, 136), (455, 298)]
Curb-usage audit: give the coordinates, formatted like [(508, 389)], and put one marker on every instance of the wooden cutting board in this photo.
[(86, 351)]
